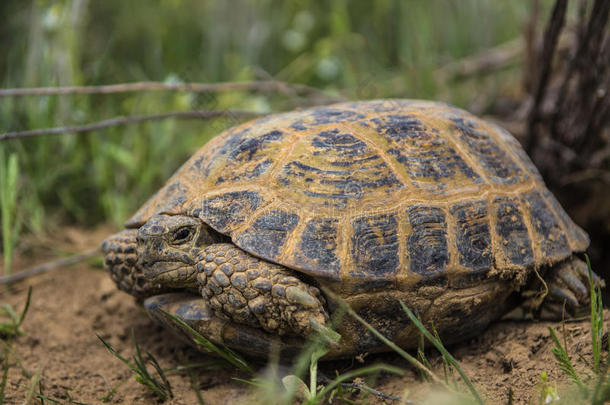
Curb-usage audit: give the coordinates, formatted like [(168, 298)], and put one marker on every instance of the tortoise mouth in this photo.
[(171, 274)]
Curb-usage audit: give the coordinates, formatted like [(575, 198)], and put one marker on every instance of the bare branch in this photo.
[(260, 86), (43, 268), (485, 62), (133, 119)]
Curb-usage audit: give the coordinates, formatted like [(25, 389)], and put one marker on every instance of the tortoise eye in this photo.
[(182, 235)]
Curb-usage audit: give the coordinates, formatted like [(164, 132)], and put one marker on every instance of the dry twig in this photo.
[(485, 62), (260, 86), (132, 119), (43, 268)]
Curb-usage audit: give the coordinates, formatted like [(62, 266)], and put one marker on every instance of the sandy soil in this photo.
[(71, 305)]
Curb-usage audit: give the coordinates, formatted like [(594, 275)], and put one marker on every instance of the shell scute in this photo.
[(325, 115), (473, 239), (332, 168), (552, 239), (496, 162), (514, 238), (268, 233), (228, 210), (430, 161), (427, 242), (375, 245), (317, 246)]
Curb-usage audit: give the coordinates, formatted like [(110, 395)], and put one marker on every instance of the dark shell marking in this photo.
[(375, 246), (473, 239), (423, 151), (375, 194), (514, 237), (428, 240)]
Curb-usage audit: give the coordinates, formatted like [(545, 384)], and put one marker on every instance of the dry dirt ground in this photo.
[(70, 306)]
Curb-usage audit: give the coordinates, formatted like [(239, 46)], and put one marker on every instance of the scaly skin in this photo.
[(182, 253), (253, 292)]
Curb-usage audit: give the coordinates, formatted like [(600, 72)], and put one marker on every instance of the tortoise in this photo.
[(374, 202)]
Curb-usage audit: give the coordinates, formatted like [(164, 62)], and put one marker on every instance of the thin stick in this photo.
[(260, 86), (487, 61), (43, 268), (132, 119), (363, 387)]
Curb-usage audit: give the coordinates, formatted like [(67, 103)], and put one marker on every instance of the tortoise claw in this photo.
[(329, 336), (568, 285), (563, 295), (576, 286)]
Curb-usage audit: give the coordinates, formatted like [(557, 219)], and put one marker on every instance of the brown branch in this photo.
[(485, 62), (260, 86), (134, 119), (43, 268), (551, 37)]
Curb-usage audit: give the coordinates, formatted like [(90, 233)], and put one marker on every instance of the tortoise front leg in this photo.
[(250, 291)]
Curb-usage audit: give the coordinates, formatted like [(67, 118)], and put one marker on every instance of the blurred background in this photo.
[(481, 55)]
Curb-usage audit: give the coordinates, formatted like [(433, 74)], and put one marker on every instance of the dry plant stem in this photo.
[(132, 119), (43, 268), (491, 59), (551, 37), (260, 86)]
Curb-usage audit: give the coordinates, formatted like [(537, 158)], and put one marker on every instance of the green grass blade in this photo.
[(12, 328), (597, 317), (116, 354), (141, 372), (26, 307), (437, 343), (224, 352), (161, 374), (9, 173)]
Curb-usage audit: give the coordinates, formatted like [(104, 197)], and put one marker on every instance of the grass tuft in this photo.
[(11, 328), (597, 317), (563, 360), (160, 385), (444, 352)]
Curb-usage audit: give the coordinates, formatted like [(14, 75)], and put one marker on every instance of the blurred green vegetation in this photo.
[(360, 49)]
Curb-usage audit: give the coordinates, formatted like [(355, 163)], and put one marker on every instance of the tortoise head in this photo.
[(159, 256)]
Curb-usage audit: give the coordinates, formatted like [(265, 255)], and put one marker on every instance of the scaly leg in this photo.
[(253, 292)]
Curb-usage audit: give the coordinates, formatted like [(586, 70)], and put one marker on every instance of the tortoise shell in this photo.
[(375, 194)]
